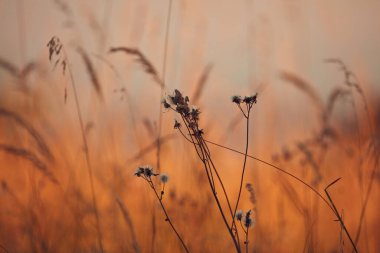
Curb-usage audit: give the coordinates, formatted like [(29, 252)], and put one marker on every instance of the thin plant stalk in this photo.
[(278, 169), (328, 202), (159, 130), (245, 155), (166, 42), (246, 241), (87, 156), (338, 215), (203, 153), (167, 218)]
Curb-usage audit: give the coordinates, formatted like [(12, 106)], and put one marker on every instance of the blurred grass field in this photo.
[(311, 119)]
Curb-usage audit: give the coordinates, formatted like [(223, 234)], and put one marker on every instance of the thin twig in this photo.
[(338, 215)]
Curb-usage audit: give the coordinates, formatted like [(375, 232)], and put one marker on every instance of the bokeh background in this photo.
[(214, 49)]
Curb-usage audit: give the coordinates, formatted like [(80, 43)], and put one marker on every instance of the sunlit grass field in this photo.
[(83, 111)]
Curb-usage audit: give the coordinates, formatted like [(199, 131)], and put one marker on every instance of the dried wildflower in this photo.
[(247, 219), (164, 178), (250, 99), (177, 124), (183, 109), (193, 125), (239, 215), (177, 98), (165, 103), (139, 171), (198, 132), (146, 171), (236, 99), (194, 113)]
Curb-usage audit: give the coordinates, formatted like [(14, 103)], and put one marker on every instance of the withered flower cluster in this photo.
[(145, 171), (245, 218), (248, 101), (189, 113)]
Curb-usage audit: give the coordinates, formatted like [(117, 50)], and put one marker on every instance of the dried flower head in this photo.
[(146, 171), (198, 132), (165, 103), (194, 113), (183, 109), (139, 171), (164, 178), (247, 220), (236, 99), (239, 215), (250, 99), (177, 98), (177, 124)]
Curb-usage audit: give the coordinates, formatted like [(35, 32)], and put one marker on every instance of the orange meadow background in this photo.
[(311, 119)]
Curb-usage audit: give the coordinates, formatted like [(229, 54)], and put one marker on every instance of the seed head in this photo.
[(239, 215), (177, 124), (247, 220), (250, 99), (164, 178), (236, 99), (139, 171), (146, 171), (165, 103)]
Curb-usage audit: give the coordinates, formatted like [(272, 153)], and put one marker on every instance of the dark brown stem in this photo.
[(166, 214), (278, 169), (338, 215), (205, 157), (245, 161), (246, 241)]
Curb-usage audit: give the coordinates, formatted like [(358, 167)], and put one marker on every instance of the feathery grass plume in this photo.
[(147, 65), (91, 72), (350, 78), (9, 67), (57, 49), (332, 100), (352, 82), (304, 86), (41, 144), (17, 73), (201, 83), (309, 158), (30, 156), (252, 193), (55, 53), (128, 220)]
